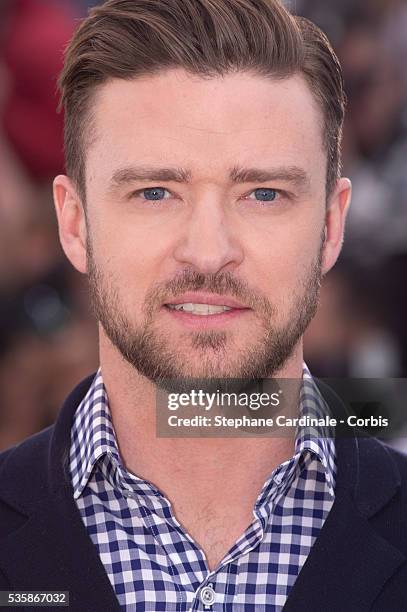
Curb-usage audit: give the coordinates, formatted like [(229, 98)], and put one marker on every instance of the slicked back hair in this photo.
[(129, 38)]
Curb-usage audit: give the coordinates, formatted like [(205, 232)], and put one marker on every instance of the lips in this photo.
[(199, 309), (200, 300), (203, 311)]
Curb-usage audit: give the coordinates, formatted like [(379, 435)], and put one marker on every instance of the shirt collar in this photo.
[(93, 438), (319, 440)]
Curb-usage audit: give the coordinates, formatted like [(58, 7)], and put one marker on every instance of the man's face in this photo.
[(206, 213)]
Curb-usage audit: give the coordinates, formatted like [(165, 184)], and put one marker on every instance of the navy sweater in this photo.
[(357, 563)]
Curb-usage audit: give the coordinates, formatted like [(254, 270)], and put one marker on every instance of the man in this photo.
[(203, 199)]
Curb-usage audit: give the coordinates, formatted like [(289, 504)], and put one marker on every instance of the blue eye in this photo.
[(154, 193), (265, 194)]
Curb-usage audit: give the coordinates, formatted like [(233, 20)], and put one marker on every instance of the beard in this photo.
[(219, 362)]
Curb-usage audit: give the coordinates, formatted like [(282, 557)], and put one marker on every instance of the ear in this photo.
[(335, 218), (71, 222)]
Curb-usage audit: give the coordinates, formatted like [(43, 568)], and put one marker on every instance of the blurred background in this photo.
[(48, 340)]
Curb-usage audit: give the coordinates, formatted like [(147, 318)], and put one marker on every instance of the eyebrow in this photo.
[(291, 174), (128, 175)]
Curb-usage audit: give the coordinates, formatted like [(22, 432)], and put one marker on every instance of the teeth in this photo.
[(199, 309)]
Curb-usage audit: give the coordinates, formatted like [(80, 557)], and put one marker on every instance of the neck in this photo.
[(182, 464)]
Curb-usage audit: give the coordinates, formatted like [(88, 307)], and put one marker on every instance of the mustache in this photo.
[(221, 283)]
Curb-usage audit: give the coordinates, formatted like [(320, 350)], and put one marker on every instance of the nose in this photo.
[(208, 241)]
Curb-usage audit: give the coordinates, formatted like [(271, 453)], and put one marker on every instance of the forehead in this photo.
[(205, 123)]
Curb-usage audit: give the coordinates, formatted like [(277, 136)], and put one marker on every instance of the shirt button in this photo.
[(207, 595)]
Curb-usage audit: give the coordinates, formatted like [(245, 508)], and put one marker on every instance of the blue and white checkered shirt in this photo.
[(155, 565)]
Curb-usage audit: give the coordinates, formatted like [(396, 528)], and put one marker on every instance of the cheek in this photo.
[(284, 257), (130, 267)]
